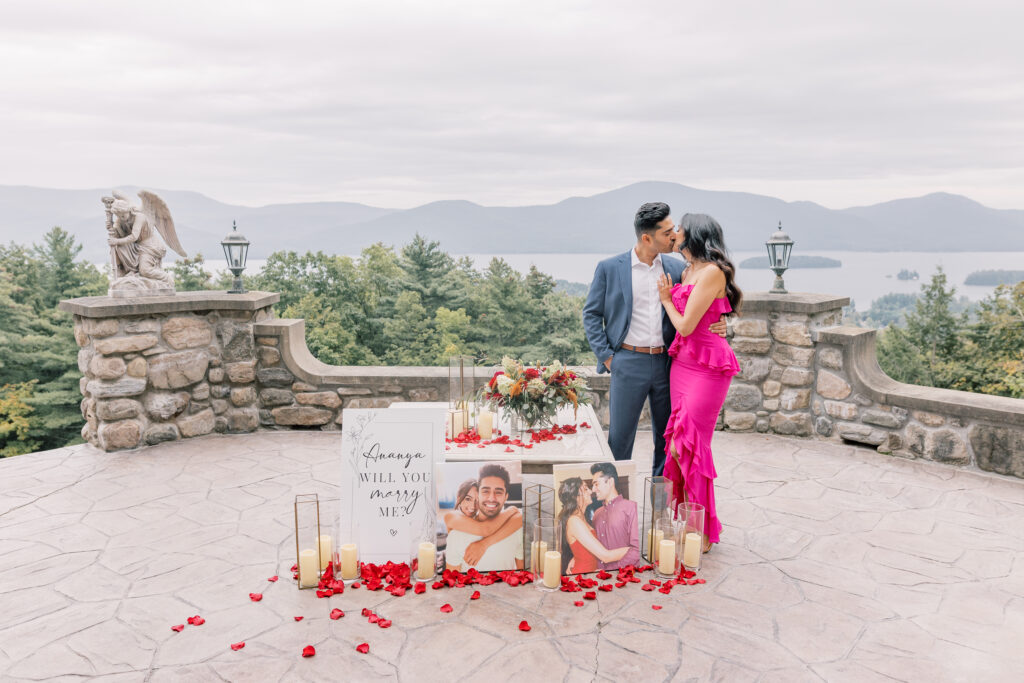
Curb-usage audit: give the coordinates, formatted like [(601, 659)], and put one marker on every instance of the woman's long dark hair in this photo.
[(568, 494), (702, 237)]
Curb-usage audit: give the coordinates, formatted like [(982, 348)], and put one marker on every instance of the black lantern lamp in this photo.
[(236, 249), (780, 246)]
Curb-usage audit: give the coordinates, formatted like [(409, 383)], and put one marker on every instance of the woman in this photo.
[(702, 363), (468, 537), (580, 548)]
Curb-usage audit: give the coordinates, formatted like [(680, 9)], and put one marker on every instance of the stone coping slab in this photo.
[(836, 563), (793, 302), (182, 302)]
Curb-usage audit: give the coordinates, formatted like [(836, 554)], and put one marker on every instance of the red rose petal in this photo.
[(691, 582), (655, 607), (373, 618), (578, 603), (298, 618), (255, 597), (366, 612), (665, 589), (179, 628), (700, 580), (363, 647), (337, 614), (475, 595), (603, 575), (196, 620), (590, 595), (524, 625), (295, 568), (237, 646), (308, 651), (419, 588), (647, 587), (272, 579), (446, 608), (384, 623), (605, 587)]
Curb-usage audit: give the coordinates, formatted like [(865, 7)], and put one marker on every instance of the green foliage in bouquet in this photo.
[(534, 393)]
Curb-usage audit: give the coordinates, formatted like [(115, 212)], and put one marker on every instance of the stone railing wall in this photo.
[(172, 367)]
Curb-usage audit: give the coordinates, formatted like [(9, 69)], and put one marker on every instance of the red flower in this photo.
[(255, 597), (237, 646), (475, 595), (446, 608), (363, 647), (298, 618), (524, 625), (196, 620), (308, 651), (272, 579), (179, 628), (336, 614), (532, 373)]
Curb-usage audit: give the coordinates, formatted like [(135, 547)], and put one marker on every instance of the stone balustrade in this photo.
[(163, 368)]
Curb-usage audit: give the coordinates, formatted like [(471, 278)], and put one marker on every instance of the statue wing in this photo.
[(155, 207), (120, 195)]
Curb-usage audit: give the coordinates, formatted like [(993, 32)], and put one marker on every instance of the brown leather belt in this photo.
[(652, 350)]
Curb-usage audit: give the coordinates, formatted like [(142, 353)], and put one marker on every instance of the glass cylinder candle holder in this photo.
[(312, 545), (669, 549), (690, 518), (546, 554), (422, 560), (461, 408), (657, 506)]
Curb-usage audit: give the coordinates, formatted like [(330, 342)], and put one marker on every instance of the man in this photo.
[(615, 522), (493, 492), (629, 332)]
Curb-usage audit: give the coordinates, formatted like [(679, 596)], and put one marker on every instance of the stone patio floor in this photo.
[(836, 564)]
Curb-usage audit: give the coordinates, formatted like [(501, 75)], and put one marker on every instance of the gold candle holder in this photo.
[(461, 397)]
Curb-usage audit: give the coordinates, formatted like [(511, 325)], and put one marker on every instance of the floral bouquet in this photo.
[(534, 394)]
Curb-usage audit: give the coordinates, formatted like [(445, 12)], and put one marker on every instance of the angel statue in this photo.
[(136, 251)]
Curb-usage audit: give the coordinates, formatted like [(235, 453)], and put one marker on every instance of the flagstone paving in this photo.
[(836, 564)]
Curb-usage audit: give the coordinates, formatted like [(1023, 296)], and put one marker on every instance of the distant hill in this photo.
[(991, 278), (795, 261), (601, 223)]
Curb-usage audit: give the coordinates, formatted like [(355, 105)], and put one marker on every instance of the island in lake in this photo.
[(798, 261), (907, 275), (991, 278)]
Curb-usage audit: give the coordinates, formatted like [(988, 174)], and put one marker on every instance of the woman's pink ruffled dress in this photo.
[(702, 368)]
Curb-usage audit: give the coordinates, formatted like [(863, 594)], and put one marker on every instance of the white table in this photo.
[(586, 445)]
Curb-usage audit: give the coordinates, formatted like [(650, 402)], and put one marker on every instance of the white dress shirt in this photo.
[(645, 322)]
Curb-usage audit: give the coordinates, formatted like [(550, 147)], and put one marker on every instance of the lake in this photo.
[(864, 276)]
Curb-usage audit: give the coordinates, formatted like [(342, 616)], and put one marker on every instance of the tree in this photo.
[(190, 275), (934, 330), (15, 419)]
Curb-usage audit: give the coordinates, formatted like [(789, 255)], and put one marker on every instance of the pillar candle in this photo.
[(326, 547), (654, 538), (308, 574), (485, 424), (552, 569), (692, 549), (349, 561), (667, 557), (427, 558), (537, 550), (457, 420)]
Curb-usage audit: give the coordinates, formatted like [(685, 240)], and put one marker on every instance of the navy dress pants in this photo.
[(636, 378)]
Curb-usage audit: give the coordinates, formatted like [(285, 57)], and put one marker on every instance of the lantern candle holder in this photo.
[(657, 506), (313, 547), (461, 402), (538, 504)]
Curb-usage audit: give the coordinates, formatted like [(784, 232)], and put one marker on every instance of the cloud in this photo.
[(399, 103)]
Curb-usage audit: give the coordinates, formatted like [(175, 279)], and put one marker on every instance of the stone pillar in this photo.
[(774, 341), (163, 368)]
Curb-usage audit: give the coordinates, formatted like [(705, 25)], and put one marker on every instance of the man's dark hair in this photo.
[(606, 469), (648, 216), (495, 470)]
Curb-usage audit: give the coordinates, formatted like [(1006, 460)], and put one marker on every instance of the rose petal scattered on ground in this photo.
[(655, 607), (196, 620), (446, 608), (605, 587), (298, 618), (384, 623), (308, 651), (337, 614), (363, 647), (700, 580), (590, 595), (272, 579), (524, 625), (255, 597), (366, 612), (475, 595), (373, 618), (578, 603), (238, 646), (178, 628)]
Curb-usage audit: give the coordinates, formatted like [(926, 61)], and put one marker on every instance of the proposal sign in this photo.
[(387, 487)]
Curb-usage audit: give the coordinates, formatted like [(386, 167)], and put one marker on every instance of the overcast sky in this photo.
[(506, 103)]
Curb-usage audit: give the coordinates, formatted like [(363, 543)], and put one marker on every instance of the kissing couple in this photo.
[(657, 324)]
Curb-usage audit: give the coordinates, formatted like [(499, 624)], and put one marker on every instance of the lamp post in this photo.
[(780, 246), (236, 249)]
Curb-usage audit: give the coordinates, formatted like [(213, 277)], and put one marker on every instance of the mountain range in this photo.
[(601, 223)]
